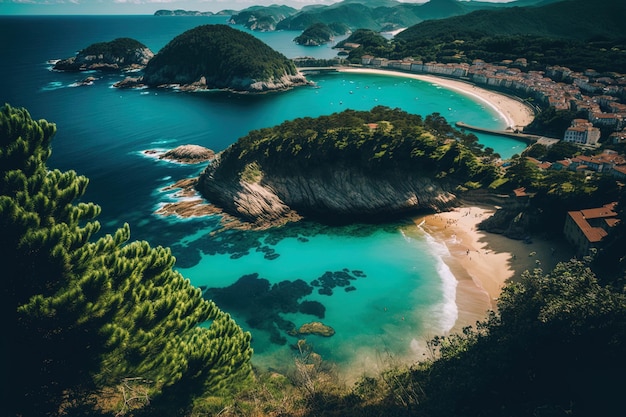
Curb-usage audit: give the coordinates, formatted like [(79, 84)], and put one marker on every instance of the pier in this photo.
[(525, 137), (316, 70)]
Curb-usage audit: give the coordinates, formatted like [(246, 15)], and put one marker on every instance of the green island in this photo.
[(380, 164), (118, 54), (220, 57), (321, 33)]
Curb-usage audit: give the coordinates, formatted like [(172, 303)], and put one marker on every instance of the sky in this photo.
[(12, 7)]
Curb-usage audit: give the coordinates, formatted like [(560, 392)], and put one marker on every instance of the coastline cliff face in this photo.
[(219, 57), (342, 195), (347, 167), (118, 54)]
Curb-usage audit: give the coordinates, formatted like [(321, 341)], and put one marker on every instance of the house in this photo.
[(581, 131), (585, 229)]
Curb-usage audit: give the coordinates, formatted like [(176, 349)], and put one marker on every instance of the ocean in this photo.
[(384, 289)]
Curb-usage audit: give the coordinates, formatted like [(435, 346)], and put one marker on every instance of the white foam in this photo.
[(447, 312)]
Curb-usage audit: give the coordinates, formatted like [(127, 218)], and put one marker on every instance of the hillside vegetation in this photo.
[(98, 325), (347, 167), (370, 141), (320, 33), (217, 56), (118, 54), (567, 33), (262, 18)]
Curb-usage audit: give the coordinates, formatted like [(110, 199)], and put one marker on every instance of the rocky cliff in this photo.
[(118, 54), (340, 195), (346, 167)]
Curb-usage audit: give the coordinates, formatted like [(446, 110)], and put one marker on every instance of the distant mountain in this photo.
[(181, 13), (567, 19), (262, 18), (378, 15), (354, 15), (578, 34)]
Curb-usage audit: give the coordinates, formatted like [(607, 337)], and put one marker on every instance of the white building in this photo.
[(582, 132)]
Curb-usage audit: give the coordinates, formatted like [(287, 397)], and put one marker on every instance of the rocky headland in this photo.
[(122, 54), (218, 57), (347, 167)]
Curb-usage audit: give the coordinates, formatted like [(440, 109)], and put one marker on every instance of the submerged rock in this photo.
[(317, 328)]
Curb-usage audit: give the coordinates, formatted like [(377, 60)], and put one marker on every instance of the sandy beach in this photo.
[(482, 262), (513, 111)]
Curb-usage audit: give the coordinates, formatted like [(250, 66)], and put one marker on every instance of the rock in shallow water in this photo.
[(189, 154), (316, 328)]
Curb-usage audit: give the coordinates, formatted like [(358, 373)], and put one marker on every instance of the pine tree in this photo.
[(83, 313)]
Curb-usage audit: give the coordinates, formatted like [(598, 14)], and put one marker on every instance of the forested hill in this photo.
[(220, 57), (568, 19), (348, 166), (262, 18)]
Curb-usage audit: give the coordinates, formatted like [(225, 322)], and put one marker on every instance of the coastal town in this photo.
[(599, 96)]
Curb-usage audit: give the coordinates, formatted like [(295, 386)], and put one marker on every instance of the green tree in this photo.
[(84, 314), (554, 348)]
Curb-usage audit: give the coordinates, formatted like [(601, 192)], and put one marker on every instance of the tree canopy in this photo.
[(374, 141), (222, 55), (85, 314), (555, 348)]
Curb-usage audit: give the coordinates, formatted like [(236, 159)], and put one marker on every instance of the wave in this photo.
[(447, 310)]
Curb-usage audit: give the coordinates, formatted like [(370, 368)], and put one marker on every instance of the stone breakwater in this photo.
[(341, 195)]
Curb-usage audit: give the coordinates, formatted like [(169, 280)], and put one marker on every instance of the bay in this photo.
[(400, 293)]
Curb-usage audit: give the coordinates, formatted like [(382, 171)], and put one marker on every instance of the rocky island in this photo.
[(321, 33), (119, 54), (346, 167), (219, 57)]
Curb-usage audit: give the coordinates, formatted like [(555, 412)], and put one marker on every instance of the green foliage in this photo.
[(85, 315), (319, 33), (261, 17), (555, 347), (552, 122), (353, 15), (223, 55), (543, 35), (116, 47), (374, 142), (370, 42), (556, 191), (556, 152)]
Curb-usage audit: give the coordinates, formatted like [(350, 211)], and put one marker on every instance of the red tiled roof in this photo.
[(582, 217)]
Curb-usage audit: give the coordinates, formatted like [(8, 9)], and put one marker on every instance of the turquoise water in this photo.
[(399, 291)]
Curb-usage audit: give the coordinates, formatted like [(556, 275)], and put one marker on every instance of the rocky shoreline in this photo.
[(122, 54), (284, 83), (341, 196)]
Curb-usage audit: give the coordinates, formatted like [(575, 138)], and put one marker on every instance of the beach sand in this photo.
[(516, 113), (482, 262)]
